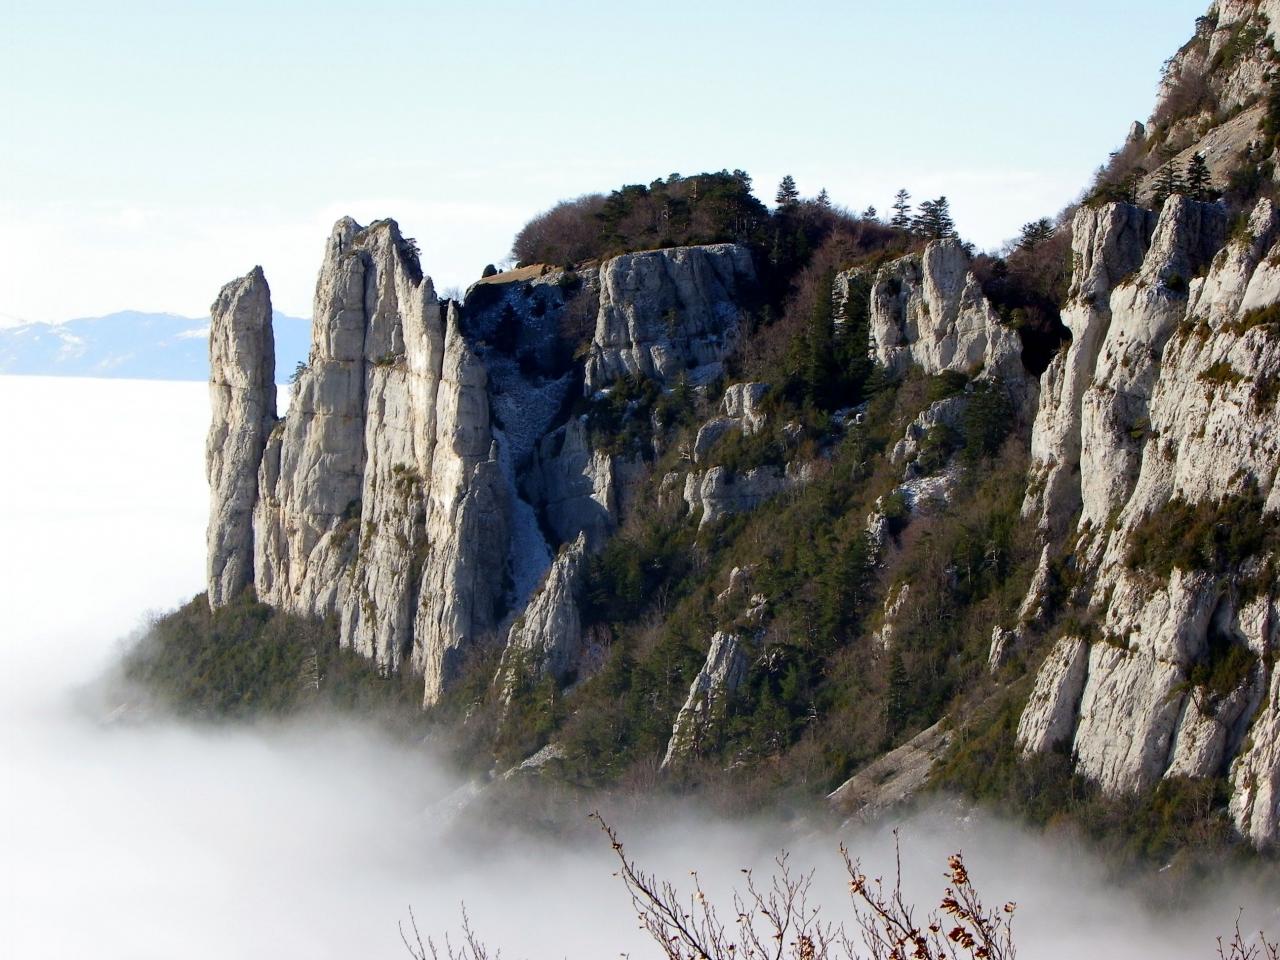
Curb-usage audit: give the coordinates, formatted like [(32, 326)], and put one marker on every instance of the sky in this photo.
[(152, 151)]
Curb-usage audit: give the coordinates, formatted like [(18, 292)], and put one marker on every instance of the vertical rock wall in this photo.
[(390, 497), (242, 394), (1173, 380)]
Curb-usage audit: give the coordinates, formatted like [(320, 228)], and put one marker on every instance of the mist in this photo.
[(161, 839)]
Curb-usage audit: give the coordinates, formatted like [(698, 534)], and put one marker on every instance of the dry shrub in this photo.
[(562, 235), (777, 920)]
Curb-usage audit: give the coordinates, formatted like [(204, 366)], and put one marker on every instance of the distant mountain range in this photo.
[(134, 345)]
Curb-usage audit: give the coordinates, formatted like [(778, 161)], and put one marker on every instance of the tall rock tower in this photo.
[(242, 393)]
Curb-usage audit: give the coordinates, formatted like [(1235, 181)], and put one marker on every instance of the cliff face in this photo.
[(669, 312), (1177, 421), (242, 394), (928, 311), (421, 482), (380, 496)]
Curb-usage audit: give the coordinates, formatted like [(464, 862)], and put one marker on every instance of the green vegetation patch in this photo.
[(1211, 537), (1220, 373), (1266, 317), (247, 660)]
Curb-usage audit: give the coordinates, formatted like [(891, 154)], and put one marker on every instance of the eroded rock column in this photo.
[(242, 392)]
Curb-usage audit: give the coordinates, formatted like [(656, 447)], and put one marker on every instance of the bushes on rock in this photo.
[(1206, 536), (247, 660)]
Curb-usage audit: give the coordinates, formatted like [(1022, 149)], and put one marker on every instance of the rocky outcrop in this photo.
[(1255, 774), (704, 710), (242, 394), (1145, 310), (665, 313), (381, 500), (743, 403), (741, 406), (928, 310), (1108, 245), (1176, 408), (946, 414), (894, 779), (1049, 720), (547, 638), (895, 601), (419, 486), (719, 492)]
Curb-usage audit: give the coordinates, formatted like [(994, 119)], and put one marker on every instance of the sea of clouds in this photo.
[(163, 840)]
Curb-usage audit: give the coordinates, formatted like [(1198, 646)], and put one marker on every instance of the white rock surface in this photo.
[(929, 311), (1108, 244), (381, 497), (1145, 311), (742, 402), (547, 637), (709, 694), (892, 780), (1049, 719), (668, 312), (947, 413), (1172, 379), (741, 406), (719, 492), (242, 393)]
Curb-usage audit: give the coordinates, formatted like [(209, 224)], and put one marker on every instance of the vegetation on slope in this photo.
[(248, 661)]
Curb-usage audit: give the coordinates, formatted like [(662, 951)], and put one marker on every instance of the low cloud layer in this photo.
[(164, 840)]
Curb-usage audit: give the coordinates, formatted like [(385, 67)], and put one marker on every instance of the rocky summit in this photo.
[(820, 490)]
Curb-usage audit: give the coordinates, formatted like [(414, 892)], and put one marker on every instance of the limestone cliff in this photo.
[(1176, 419), (242, 394), (929, 311), (425, 475), (668, 312)]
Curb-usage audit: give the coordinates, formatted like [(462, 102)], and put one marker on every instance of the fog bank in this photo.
[(165, 840)]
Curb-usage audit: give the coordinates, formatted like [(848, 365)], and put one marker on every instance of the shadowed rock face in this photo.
[(242, 393)]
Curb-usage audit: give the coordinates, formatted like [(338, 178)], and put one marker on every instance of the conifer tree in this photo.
[(788, 195), (1168, 184), (820, 372), (870, 213), (1127, 190), (901, 210), (934, 220), (824, 199), (844, 589), (1199, 184), (896, 701), (1035, 233)]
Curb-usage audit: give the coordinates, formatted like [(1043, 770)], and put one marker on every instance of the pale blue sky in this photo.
[(152, 151)]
